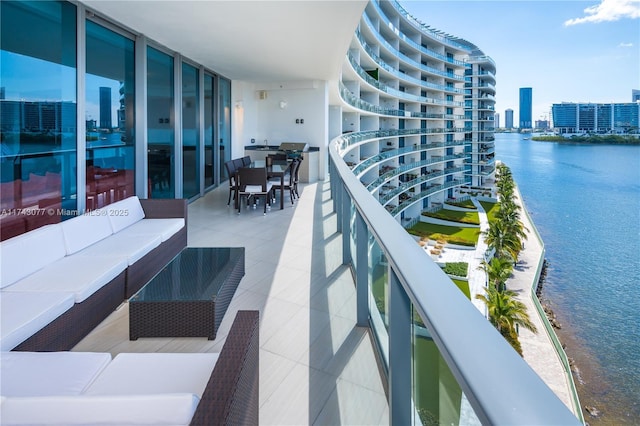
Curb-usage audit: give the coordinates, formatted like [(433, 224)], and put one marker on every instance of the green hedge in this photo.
[(471, 218), (459, 269)]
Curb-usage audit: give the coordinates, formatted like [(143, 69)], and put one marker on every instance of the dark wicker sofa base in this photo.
[(146, 268), (231, 395), (70, 328)]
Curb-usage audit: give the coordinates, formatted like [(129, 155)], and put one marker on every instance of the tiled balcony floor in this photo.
[(316, 366)]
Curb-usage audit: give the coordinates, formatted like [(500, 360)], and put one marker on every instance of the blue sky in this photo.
[(564, 52)]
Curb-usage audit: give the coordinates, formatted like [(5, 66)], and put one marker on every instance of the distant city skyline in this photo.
[(566, 51)]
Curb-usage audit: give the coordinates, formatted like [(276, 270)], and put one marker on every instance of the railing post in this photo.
[(339, 189), (345, 215), (362, 272), (400, 388)]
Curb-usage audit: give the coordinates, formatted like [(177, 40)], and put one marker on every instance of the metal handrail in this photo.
[(477, 355)]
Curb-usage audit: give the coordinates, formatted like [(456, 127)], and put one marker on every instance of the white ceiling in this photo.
[(247, 40)]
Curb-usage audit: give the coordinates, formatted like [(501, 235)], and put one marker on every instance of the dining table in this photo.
[(275, 168)]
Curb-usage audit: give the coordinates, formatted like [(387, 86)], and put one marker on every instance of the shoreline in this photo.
[(543, 351)]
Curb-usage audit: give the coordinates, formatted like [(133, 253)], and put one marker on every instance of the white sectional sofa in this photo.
[(58, 282), (74, 388)]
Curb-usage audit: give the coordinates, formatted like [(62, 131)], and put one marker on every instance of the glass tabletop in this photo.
[(194, 274), (277, 166)]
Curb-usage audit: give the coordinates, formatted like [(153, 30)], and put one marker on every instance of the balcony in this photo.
[(318, 362), (316, 365)]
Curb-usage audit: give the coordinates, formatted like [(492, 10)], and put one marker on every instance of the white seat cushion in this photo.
[(83, 231), (24, 314), (49, 373), (124, 213), (27, 253), (80, 275), (171, 409), (132, 247), (155, 373), (165, 228)]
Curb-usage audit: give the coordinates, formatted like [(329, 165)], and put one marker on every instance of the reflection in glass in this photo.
[(379, 300), (224, 88), (190, 132), (437, 396), (160, 122), (37, 114), (109, 116), (208, 131)]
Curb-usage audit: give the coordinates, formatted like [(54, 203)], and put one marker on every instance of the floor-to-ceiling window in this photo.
[(37, 114), (209, 109), (224, 123), (109, 116), (190, 131), (161, 124)]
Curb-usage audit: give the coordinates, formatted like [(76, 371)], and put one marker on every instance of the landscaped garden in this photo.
[(491, 209), (470, 218), (452, 234), (467, 204)]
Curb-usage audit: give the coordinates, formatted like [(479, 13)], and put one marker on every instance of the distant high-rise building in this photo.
[(2, 92), (508, 117), (569, 117), (105, 108), (635, 95), (542, 124), (526, 108), (496, 120)]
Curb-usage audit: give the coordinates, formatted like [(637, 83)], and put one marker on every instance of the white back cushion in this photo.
[(27, 253), (171, 409), (49, 373), (82, 231), (124, 213)]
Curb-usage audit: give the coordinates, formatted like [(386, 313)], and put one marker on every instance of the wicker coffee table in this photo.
[(189, 296)]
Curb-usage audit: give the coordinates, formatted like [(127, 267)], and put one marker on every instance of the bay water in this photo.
[(585, 202)]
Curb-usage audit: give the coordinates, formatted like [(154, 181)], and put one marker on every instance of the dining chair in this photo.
[(252, 182), (237, 162), (289, 181), (231, 171), (277, 157), (296, 179), (246, 161)]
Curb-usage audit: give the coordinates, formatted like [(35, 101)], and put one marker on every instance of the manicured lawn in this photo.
[(452, 234), (455, 216), (463, 286), (491, 209), (467, 204)]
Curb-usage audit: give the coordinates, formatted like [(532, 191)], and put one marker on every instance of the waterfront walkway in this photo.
[(538, 349)]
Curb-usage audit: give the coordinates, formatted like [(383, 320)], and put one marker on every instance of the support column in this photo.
[(362, 272), (400, 388)]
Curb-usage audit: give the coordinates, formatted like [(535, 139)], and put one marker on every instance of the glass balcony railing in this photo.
[(444, 360), (356, 102), (396, 53), (395, 92), (431, 32), (371, 161), (401, 36), (350, 139)]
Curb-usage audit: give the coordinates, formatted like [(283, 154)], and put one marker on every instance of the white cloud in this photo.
[(608, 10), (625, 45)]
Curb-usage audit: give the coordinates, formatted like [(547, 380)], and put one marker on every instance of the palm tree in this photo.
[(505, 312), (509, 215), (502, 240), (498, 271)]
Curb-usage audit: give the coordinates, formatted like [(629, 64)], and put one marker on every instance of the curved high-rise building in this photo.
[(417, 112)]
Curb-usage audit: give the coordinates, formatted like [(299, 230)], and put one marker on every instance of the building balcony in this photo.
[(317, 366)]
